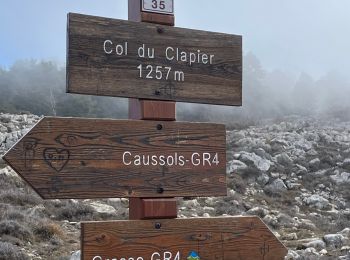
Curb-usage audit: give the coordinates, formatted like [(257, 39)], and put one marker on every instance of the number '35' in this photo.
[(158, 4)]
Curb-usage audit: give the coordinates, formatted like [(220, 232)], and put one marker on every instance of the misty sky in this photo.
[(296, 36)]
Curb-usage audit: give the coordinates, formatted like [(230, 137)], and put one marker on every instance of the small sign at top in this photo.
[(158, 6)]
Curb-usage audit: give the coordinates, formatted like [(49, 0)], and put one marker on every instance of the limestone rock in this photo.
[(346, 164), (316, 201), (253, 159), (236, 165), (263, 179), (284, 159), (345, 232), (277, 186), (334, 240), (257, 211), (290, 236), (314, 164), (341, 178), (317, 243), (76, 255), (102, 208)]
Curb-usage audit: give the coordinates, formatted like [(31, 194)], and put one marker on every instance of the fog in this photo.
[(296, 57), (39, 87), (292, 36), (276, 94)]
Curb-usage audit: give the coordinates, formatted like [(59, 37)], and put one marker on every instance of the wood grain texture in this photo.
[(134, 10), (82, 158), (143, 208), (91, 71), (152, 110), (140, 208), (164, 19), (234, 238)]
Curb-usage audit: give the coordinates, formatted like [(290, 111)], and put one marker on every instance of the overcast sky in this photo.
[(296, 36)]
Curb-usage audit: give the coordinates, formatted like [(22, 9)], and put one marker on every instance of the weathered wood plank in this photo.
[(152, 110), (158, 18), (145, 208), (212, 72), (140, 208), (234, 238), (99, 158)]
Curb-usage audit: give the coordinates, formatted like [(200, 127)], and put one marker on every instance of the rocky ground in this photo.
[(293, 173)]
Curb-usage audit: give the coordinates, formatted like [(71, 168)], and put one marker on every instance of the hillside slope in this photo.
[(293, 173)]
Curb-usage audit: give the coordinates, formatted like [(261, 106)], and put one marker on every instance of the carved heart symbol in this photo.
[(56, 158)]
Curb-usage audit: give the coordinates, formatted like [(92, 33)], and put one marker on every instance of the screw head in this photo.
[(159, 127), (157, 93), (160, 190), (160, 30), (157, 225)]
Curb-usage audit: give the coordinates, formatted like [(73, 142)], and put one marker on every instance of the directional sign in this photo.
[(246, 238), (140, 60), (158, 6), (96, 158)]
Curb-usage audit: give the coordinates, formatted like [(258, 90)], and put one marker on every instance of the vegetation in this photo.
[(39, 88), (26, 220), (9, 251)]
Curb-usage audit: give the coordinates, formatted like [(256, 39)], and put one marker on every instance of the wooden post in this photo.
[(136, 15), (148, 208)]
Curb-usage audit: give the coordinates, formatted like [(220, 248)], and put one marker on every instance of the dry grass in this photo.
[(11, 252), (236, 183), (15, 229), (70, 210), (17, 197), (46, 230)]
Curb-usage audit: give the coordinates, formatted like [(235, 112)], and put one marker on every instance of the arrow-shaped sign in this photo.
[(246, 238), (99, 158)]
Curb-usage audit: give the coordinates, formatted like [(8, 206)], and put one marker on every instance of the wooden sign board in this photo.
[(231, 238), (141, 60), (158, 6), (99, 158)]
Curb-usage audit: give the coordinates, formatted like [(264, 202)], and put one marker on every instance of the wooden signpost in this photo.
[(99, 158), (233, 238), (151, 208), (129, 59), (150, 159), (158, 6)]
